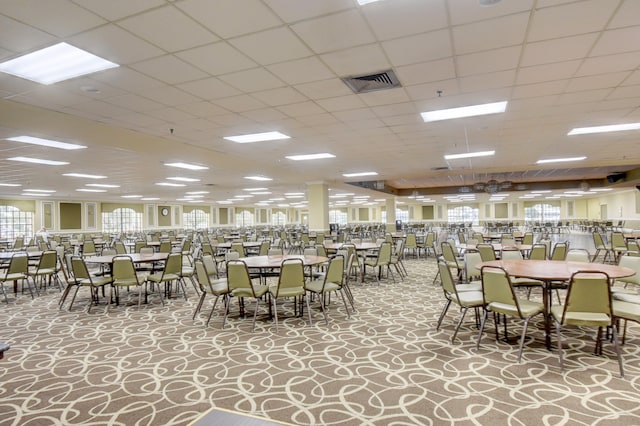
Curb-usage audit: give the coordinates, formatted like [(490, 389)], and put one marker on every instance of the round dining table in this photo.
[(549, 271)]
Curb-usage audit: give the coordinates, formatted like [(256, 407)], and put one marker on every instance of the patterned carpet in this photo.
[(386, 365)]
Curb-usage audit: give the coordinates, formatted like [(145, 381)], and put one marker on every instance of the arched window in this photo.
[(244, 217), (278, 218), (196, 219), (462, 214), (542, 212), (338, 216), (14, 222), (122, 220), (402, 213)]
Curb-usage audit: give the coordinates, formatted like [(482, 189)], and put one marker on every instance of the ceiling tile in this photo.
[(405, 108), (265, 115), (209, 88), (134, 103), (303, 108), (466, 11), (152, 26), (239, 103), (202, 109), (168, 95), (115, 44), (556, 50), (610, 63), (17, 37), (357, 61), (539, 89), (230, 18), (617, 41), (490, 61), (627, 15), (415, 16), (426, 72), (282, 96), (560, 21), (260, 46), (625, 92), (58, 17), (217, 58), (301, 71), (582, 97), (354, 114), (171, 115), (633, 79), (128, 79), (419, 48), (324, 89), (295, 10), (341, 103), (327, 33), (481, 36), (318, 120), (492, 80), (385, 97), (601, 81), (549, 72), (114, 10), (430, 90), (169, 69), (252, 80)]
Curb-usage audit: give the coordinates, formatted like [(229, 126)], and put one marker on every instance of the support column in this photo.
[(318, 196), (390, 205)]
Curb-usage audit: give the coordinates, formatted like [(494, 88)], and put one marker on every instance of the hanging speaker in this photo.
[(616, 177)]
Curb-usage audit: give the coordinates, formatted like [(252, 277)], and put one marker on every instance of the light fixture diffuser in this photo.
[(604, 129), (186, 166), (257, 137), (461, 112), (10, 184), (469, 155), (360, 174), (183, 179), (305, 157), (560, 160), (38, 161), (83, 175), (55, 63), (102, 185), (260, 178), (45, 142), (170, 184), (90, 190)]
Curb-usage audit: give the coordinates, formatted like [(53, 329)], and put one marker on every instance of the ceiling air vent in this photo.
[(372, 82), (440, 168)]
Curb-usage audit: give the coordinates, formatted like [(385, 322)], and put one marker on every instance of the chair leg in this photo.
[(524, 335), (255, 315), (559, 345), (199, 305), (306, 299), (344, 302), (617, 347), (484, 320), (455, 332), (443, 313), (275, 312)]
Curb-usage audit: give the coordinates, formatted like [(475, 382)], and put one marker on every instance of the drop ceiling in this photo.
[(194, 71)]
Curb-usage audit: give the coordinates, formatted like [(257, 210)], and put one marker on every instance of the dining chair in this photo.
[(171, 272), (560, 250), (500, 298), (383, 260), (464, 299), (241, 287), (331, 282), (487, 252), (215, 287), (628, 294), (69, 279), (600, 245), (396, 258), (291, 284), (124, 274), (588, 304), (88, 248), (578, 255), (538, 252), (618, 244), (46, 271), (16, 271), (411, 244), (85, 279), (471, 259), (119, 247), (452, 260)]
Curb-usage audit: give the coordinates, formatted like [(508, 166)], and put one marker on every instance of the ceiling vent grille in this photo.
[(372, 82)]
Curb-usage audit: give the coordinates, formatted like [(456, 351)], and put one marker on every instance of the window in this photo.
[(542, 213), (244, 218), (338, 216), (402, 214), (196, 219), (278, 218), (14, 223), (122, 220), (462, 214)]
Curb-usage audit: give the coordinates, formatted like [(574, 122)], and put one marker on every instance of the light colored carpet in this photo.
[(386, 365)]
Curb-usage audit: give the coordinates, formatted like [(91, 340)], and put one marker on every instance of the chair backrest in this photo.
[(291, 274), (139, 245), (264, 248), (384, 254), (186, 246), (618, 241), (48, 260), (527, 239), (238, 275), (411, 241), (448, 285), (335, 271), (207, 248), (447, 251), (109, 252), (210, 264), (146, 250), (310, 251), (119, 247), (321, 251), (471, 259), (18, 243), (506, 254), (202, 275), (399, 248), (20, 264), (598, 241), (497, 288), (123, 269), (274, 252), (632, 262), (88, 248), (560, 251), (173, 264), (165, 247), (578, 255), (238, 247), (231, 255), (79, 268), (588, 292), (538, 252), (487, 252)]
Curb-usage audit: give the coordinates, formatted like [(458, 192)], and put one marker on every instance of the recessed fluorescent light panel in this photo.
[(363, 2), (604, 129), (131, 196), (47, 191), (560, 160), (183, 179), (102, 185), (149, 199), (82, 175), (45, 142), (360, 174), (170, 184), (10, 184), (260, 178), (55, 63), (469, 155), (197, 192), (90, 190), (38, 161), (468, 111), (257, 137), (186, 166), (310, 156), (255, 189)]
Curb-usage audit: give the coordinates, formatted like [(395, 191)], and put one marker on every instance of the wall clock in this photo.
[(164, 211)]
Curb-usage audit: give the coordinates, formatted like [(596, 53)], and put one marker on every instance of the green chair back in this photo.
[(538, 252), (587, 292), (291, 275), (497, 288)]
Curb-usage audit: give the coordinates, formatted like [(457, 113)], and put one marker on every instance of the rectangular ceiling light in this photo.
[(469, 155), (55, 63), (83, 175), (149, 198), (360, 174), (38, 161), (10, 184), (363, 2), (255, 189), (468, 111), (604, 129), (560, 160), (310, 156), (257, 137), (196, 192), (46, 191), (260, 178), (45, 142), (187, 166), (131, 196), (183, 179), (170, 184), (102, 185), (90, 190)]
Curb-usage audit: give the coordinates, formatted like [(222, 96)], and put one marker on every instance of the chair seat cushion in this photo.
[(97, 281), (589, 319), (316, 286), (259, 290), (159, 277), (469, 287), (288, 291), (468, 298), (219, 287), (626, 310), (626, 297), (14, 276), (527, 308)]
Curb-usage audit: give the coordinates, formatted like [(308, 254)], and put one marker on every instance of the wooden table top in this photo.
[(136, 257), (555, 270), (6, 255), (276, 260)]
